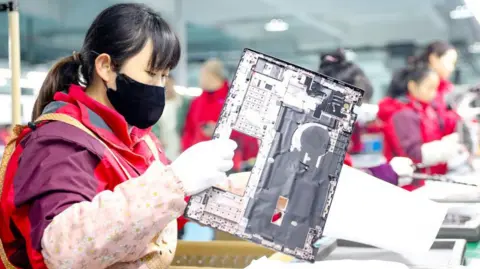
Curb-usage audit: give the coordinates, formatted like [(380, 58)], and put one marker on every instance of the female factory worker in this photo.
[(85, 187), (441, 57), (334, 64), (413, 129)]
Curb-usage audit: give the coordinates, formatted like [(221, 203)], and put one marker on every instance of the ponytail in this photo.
[(59, 78), (437, 48)]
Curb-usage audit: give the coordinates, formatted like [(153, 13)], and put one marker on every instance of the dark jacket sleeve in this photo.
[(405, 134), (53, 173), (384, 172)]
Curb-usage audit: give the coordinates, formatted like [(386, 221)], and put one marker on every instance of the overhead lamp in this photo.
[(188, 91), (461, 12), (276, 25), (474, 8)]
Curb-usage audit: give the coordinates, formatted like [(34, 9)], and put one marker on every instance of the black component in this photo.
[(32, 126), (335, 104), (328, 121), (317, 90), (318, 111), (305, 188), (308, 82), (9, 6), (268, 86)]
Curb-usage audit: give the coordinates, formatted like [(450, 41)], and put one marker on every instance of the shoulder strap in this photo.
[(7, 154), (74, 122), (152, 146), (10, 148)]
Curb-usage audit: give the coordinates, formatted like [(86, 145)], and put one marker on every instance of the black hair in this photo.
[(120, 31), (416, 72), (437, 48), (336, 65)]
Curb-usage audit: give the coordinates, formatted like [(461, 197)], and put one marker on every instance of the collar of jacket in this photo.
[(104, 121)]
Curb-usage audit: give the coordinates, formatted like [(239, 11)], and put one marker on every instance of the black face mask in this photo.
[(140, 104)]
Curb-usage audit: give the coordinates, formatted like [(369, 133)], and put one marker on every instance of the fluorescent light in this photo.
[(194, 91), (474, 7), (188, 91), (461, 12), (3, 82), (276, 25)]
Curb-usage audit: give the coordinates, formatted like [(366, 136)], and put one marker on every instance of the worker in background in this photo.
[(412, 127), (441, 57), (205, 110), (334, 64), (91, 188), (166, 128)]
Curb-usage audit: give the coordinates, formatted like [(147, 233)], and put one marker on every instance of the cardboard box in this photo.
[(217, 254)]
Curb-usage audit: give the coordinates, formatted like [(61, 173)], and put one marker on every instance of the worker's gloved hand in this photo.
[(204, 164), (440, 151), (366, 113), (404, 168)]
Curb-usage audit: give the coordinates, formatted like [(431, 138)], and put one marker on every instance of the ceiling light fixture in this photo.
[(474, 8), (188, 91), (276, 25), (461, 12)]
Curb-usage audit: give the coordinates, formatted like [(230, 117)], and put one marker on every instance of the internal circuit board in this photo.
[(303, 121)]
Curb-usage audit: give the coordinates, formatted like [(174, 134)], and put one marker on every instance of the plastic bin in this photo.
[(217, 254)]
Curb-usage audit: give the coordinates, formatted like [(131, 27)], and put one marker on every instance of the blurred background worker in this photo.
[(166, 128), (204, 112), (399, 171), (416, 130), (441, 57), (336, 65)]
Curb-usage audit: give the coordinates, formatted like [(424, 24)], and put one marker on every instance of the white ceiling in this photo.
[(314, 24), (223, 27)]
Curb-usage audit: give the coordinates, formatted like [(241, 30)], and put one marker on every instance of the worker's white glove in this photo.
[(440, 151), (366, 113), (404, 168), (204, 164)]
